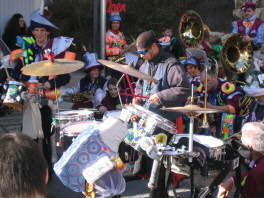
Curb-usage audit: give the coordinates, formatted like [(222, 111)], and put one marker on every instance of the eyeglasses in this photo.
[(143, 52)]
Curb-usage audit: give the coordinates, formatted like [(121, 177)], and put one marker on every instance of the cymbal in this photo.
[(192, 110), (127, 69), (55, 67)]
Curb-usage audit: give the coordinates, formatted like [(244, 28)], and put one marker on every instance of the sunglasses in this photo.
[(143, 52)]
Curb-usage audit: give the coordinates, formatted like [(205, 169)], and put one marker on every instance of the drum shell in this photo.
[(71, 131), (67, 117), (14, 94)]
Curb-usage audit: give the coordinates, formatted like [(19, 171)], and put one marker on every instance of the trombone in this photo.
[(205, 124)]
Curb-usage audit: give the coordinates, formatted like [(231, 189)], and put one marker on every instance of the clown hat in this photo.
[(38, 20), (255, 84), (90, 60), (115, 17)]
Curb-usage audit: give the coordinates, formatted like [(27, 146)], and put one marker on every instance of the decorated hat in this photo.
[(115, 17), (90, 60), (247, 5), (255, 83), (190, 61), (40, 21)]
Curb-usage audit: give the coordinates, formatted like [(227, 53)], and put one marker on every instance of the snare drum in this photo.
[(72, 130), (68, 117), (146, 129), (211, 149), (14, 94), (113, 114)]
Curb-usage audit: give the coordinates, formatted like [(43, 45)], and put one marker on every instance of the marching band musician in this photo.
[(223, 96), (193, 67), (251, 27), (172, 90), (256, 109), (115, 40), (38, 124), (91, 86)]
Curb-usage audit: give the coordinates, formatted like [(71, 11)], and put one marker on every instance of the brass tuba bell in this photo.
[(191, 29), (237, 56)]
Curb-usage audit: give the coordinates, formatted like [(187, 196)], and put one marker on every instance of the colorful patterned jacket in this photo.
[(115, 41)]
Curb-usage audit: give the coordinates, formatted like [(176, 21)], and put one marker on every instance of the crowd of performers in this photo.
[(158, 59)]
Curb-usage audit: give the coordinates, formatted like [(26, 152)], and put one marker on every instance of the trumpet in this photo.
[(205, 124)]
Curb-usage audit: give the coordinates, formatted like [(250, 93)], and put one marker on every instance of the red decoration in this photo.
[(119, 7)]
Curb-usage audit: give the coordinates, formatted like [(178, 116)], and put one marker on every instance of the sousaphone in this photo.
[(191, 29), (237, 56)]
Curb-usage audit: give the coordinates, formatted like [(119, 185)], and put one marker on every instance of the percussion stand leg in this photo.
[(191, 151), (207, 192)]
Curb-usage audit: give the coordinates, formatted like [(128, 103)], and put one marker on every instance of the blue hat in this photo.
[(190, 61), (90, 60), (115, 17), (40, 21)]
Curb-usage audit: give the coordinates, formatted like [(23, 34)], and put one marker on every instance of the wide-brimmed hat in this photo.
[(253, 88), (115, 17), (91, 62), (40, 21)]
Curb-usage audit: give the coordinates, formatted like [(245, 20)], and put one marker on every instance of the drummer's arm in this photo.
[(61, 80), (15, 75)]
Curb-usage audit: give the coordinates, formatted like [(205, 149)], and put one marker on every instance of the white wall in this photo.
[(10, 7)]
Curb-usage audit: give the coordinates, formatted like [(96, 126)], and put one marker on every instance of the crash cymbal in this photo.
[(127, 69), (191, 110), (55, 67)]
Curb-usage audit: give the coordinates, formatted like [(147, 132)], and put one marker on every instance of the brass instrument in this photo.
[(120, 58), (205, 124), (244, 105), (191, 29), (237, 56), (78, 97)]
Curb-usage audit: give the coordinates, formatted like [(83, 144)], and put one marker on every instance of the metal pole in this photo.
[(102, 32), (95, 25), (102, 29)]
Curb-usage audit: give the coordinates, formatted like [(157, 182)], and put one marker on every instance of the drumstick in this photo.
[(7, 74)]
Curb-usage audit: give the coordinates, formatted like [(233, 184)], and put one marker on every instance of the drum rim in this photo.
[(75, 123)]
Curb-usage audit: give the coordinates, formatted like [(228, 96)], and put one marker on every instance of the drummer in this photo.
[(172, 90), (91, 86), (38, 124), (111, 101)]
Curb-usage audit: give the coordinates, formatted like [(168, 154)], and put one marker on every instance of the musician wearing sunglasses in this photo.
[(251, 27), (252, 181), (171, 91), (223, 96)]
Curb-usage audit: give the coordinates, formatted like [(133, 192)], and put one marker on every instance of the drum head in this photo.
[(72, 114), (77, 127), (113, 114)]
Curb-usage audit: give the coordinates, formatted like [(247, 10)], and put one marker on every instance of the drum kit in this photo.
[(148, 133), (157, 138)]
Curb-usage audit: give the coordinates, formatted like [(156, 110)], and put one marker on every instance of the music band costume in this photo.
[(33, 121)]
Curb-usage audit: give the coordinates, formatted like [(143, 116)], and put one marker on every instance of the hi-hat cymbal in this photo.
[(55, 67), (191, 110), (127, 69)]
